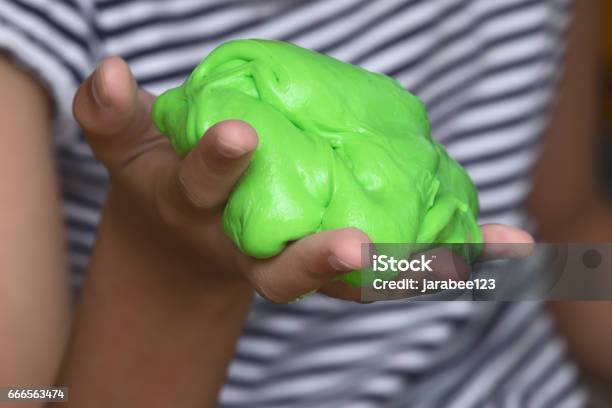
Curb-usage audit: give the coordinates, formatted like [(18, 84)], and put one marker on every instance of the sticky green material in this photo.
[(339, 146)]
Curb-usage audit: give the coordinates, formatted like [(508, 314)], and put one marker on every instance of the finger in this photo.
[(505, 242), (210, 171), (446, 265), (308, 264), (115, 114), (341, 290)]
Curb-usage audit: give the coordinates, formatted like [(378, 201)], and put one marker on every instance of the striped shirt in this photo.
[(487, 71)]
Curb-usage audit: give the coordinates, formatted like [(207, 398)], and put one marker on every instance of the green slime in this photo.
[(339, 146)]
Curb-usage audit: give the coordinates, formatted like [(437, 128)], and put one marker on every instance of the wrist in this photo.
[(136, 249), (147, 313), (136, 266)]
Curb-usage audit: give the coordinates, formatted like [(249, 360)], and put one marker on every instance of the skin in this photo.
[(34, 297), (154, 268), (140, 298), (568, 201), (172, 269)]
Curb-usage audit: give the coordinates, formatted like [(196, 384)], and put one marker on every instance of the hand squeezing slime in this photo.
[(339, 146)]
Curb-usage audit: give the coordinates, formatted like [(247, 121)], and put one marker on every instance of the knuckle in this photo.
[(169, 215), (266, 289), (211, 163), (271, 295), (192, 195), (168, 212), (317, 274)]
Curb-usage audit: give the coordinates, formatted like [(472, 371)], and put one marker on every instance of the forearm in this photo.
[(34, 297), (587, 329), (146, 334), (587, 326), (566, 202)]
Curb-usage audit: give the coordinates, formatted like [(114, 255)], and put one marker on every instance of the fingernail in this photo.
[(97, 87), (340, 265), (229, 145)]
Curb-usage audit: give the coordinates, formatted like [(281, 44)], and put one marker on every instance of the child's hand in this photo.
[(172, 206), (179, 201)]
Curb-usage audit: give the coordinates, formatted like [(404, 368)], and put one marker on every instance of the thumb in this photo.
[(114, 113), (309, 264)]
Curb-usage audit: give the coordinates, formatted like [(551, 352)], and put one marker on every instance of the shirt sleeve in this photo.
[(54, 40)]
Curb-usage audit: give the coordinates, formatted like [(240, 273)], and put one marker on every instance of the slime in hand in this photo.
[(339, 146)]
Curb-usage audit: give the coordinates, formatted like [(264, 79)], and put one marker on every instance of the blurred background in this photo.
[(601, 392), (606, 95)]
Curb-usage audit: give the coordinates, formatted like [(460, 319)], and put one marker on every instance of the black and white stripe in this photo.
[(487, 71)]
